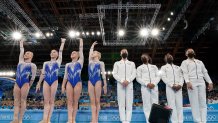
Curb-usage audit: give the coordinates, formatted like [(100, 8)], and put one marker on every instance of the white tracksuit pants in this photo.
[(149, 96), (125, 101), (175, 101), (197, 98)]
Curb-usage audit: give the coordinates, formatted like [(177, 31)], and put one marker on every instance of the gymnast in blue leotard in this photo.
[(72, 82), (96, 68), (50, 76), (25, 76)]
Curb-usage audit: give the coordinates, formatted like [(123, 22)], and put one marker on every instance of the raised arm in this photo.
[(21, 59), (81, 56), (61, 50), (33, 70), (91, 50)]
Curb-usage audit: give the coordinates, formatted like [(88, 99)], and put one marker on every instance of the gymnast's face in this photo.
[(28, 55), (95, 54), (74, 55), (54, 54)]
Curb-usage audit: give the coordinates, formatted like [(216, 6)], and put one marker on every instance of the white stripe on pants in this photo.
[(197, 98), (125, 101), (175, 101), (149, 96)]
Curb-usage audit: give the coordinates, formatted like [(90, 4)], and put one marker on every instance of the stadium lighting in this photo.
[(155, 32), (37, 35), (171, 13), (77, 33), (16, 35), (121, 33), (109, 73), (98, 33), (71, 33), (47, 34), (144, 32)]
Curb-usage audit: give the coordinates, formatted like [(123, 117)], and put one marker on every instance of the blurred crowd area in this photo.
[(109, 101)]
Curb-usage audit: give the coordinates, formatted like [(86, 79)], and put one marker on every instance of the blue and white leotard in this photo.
[(51, 69), (95, 69), (24, 71), (73, 71)]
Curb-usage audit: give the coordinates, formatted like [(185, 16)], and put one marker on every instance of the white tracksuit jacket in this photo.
[(124, 70), (195, 72), (172, 74), (148, 73)]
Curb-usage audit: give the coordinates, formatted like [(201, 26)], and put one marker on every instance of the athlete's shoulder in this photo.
[(117, 62), (185, 61), (33, 64), (140, 66), (164, 66)]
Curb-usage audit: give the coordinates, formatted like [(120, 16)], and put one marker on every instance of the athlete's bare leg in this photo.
[(77, 92)]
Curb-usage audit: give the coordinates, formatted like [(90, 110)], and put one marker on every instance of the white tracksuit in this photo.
[(172, 74), (195, 72), (124, 70), (148, 73)]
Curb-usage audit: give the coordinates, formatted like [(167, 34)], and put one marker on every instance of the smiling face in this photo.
[(54, 54), (28, 55), (96, 54), (74, 55)]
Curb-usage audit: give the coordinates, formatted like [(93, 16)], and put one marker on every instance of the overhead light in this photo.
[(87, 33), (16, 35), (121, 33), (168, 19), (171, 13), (93, 33), (51, 34), (71, 33), (47, 34), (98, 33), (144, 32), (83, 33), (37, 35), (108, 72), (163, 28), (77, 33), (155, 32)]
